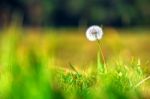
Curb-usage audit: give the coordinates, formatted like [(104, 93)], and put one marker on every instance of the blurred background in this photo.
[(60, 24), (125, 24), (75, 13), (37, 35)]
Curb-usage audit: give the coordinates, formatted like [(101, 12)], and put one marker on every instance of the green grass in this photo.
[(66, 66)]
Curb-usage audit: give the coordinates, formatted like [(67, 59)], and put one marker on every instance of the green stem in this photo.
[(101, 52), (141, 82)]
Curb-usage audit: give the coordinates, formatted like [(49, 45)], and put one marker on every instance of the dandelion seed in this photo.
[(94, 33)]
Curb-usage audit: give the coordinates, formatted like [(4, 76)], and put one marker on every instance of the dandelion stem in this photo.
[(99, 44), (142, 81)]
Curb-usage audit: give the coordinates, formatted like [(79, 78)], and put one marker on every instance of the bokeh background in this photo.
[(125, 25), (60, 26), (75, 13), (43, 39)]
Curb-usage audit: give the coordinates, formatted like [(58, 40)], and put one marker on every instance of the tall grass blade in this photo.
[(100, 65)]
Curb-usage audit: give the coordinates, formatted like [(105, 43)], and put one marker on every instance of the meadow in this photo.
[(54, 63)]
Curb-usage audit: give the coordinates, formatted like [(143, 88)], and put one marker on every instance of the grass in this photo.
[(67, 66)]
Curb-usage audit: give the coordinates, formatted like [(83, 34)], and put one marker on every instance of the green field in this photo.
[(63, 64)]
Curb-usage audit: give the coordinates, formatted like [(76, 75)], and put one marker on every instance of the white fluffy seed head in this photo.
[(94, 33)]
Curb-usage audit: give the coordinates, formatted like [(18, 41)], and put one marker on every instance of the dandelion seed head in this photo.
[(94, 33)]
